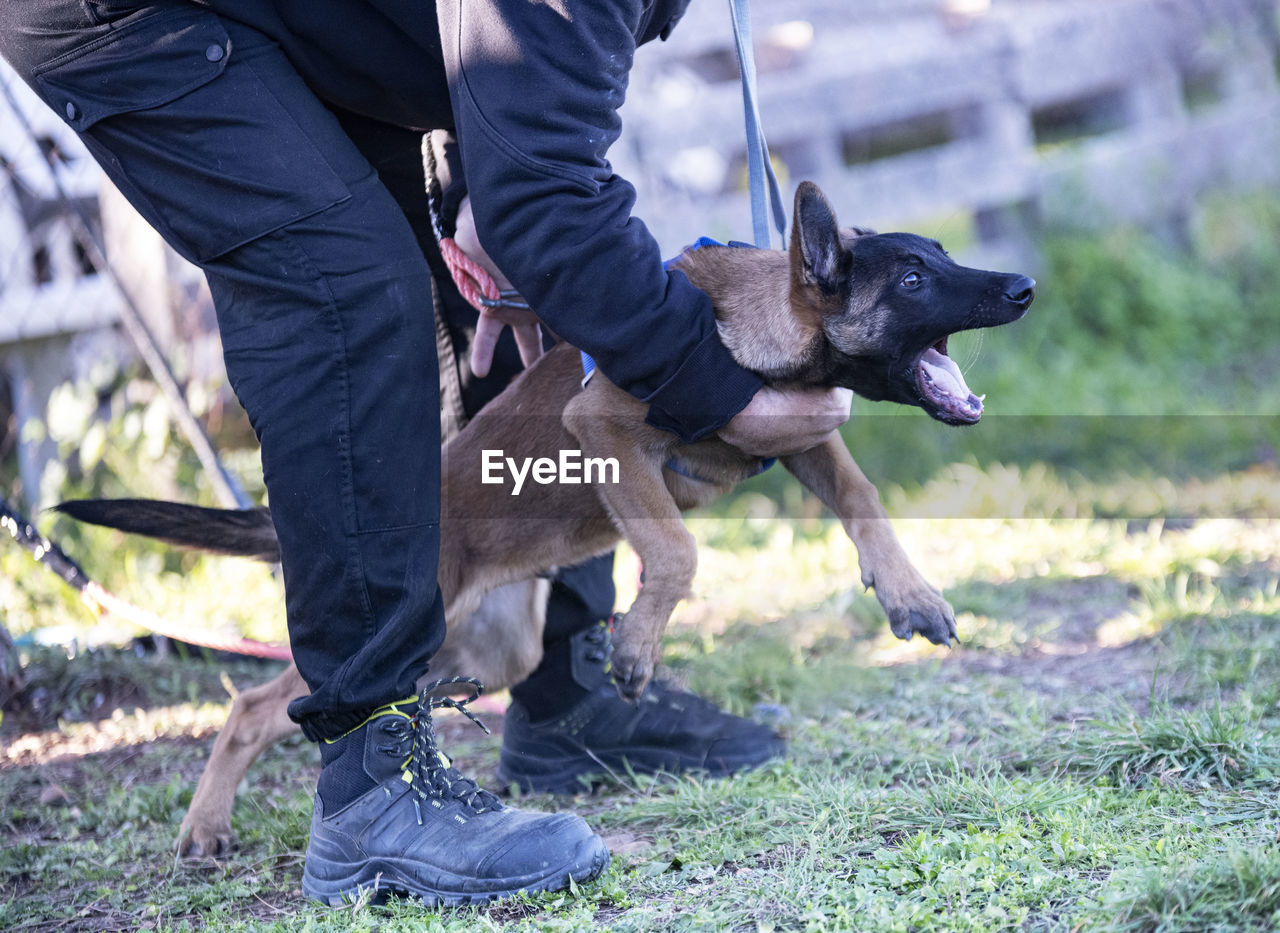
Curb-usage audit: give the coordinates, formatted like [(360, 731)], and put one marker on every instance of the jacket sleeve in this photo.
[(535, 87)]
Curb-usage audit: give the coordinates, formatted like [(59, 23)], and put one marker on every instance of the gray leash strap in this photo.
[(759, 169)]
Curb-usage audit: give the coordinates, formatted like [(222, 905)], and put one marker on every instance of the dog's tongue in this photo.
[(945, 374), (946, 377)]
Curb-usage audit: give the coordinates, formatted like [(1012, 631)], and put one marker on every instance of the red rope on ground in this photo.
[(100, 601), (472, 280)]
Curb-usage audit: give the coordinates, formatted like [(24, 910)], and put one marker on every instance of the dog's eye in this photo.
[(912, 280)]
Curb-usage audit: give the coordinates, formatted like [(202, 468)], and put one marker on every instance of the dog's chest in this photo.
[(698, 474), (692, 493)]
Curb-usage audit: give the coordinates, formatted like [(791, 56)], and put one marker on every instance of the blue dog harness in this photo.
[(588, 364)]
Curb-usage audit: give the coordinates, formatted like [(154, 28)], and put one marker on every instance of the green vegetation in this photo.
[(1102, 753), (1136, 357)]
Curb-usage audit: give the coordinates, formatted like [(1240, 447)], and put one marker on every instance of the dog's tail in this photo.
[(241, 532)]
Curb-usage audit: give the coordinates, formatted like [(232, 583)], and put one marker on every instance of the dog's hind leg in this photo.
[(912, 603), (259, 718), (501, 642)]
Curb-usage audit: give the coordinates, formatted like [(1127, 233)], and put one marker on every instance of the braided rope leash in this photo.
[(472, 280), (101, 601), (475, 284)]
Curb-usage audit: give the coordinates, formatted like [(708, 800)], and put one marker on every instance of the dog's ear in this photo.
[(816, 253)]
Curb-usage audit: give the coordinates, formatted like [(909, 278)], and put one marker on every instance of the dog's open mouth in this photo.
[(943, 389)]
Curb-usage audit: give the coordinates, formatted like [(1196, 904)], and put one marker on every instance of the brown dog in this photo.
[(868, 312)]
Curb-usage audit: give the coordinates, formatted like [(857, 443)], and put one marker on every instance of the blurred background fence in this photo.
[(990, 120), (86, 289), (997, 116)]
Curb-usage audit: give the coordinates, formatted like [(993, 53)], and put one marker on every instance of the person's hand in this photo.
[(523, 322), (779, 422)]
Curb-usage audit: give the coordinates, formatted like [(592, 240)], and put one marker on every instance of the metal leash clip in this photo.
[(507, 298)]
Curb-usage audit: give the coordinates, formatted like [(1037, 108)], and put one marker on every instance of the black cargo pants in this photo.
[(324, 302)]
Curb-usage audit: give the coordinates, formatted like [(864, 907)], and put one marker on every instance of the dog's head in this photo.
[(887, 303)]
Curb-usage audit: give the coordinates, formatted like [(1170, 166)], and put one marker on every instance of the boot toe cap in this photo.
[(539, 844)]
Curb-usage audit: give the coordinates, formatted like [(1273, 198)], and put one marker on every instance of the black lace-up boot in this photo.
[(564, 751), (393, 815)]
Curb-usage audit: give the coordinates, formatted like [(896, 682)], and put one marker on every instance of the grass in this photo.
[(1102, 753), (1216, 744), (1235, 890)]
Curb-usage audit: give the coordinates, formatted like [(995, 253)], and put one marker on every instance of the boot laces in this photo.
[(600, 638), (429, 770)]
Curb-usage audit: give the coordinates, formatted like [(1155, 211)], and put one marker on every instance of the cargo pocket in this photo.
[(192, 135)]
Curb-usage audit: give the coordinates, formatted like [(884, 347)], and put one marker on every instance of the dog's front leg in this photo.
[(911, 602), (669, 556), (645, 514)]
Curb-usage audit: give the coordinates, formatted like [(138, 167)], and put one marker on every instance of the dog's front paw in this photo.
[(196, 840), (937, 625), (631, 677), (918, 609), (632, 663)]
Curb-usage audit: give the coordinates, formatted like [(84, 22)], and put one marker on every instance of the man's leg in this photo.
[(324, 305)]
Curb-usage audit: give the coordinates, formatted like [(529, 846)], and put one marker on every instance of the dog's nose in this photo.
[(1021, 291)]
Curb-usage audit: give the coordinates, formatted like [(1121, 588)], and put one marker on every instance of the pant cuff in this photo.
[(319, 726)]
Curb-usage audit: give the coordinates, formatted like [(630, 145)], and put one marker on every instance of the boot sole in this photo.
[(343, 883)]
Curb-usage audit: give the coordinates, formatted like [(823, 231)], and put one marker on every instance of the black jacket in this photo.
[(531, 89)]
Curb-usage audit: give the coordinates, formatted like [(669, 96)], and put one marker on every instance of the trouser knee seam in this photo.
[(334, 321)]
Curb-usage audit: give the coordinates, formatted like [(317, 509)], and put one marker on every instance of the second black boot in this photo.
[(567, 728)]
